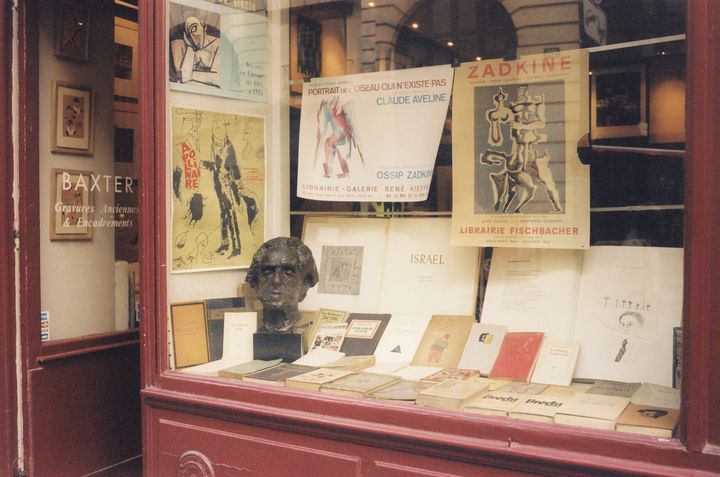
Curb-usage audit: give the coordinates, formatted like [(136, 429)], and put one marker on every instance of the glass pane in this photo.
[(88, 168), (472, 181)]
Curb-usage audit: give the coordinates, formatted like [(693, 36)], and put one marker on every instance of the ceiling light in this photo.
[(415, 25), (450, 43)]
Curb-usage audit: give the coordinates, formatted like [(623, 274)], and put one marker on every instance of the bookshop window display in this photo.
[(494, 204)]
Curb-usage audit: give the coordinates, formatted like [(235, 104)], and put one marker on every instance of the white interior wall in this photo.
[(77, 277)]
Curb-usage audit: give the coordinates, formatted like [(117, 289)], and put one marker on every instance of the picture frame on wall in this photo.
[(72, 119), (71, 205), (618, 102), (72, 31)]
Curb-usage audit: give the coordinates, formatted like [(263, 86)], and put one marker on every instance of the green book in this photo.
[(240, 370)]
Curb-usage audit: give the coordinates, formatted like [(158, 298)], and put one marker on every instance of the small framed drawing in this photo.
[(618, 102), (71, 205), (72, 119), (72, 31)]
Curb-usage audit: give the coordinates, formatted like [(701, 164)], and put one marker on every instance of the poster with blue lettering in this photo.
[(517, 177), (372, 136)]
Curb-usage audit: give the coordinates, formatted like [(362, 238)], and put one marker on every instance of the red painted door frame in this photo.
[(8, 330), (698, 446)]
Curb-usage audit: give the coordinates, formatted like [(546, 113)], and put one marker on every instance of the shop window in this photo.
[(545, 142)]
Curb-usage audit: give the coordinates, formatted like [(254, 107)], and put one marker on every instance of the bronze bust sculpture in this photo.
[(282, 271)]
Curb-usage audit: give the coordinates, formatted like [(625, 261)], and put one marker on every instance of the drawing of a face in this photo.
[(195, 32), (629, 322), (653, 413)]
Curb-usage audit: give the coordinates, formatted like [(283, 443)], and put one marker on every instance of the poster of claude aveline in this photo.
[(372, 137), (517, 178)]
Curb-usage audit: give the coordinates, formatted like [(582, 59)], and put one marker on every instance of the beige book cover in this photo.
[(319, 357), (312, 380), (447, 374), (403, 390), (416, 373), (539, 407), (613, 388), (657, 395), (566, 391), (443, 342), (189, 333), (556, 362), (451, 394), (352, 363), (592, 410), (359, 384), (649, 420), (522, 388), (494, 403), (305, 326)]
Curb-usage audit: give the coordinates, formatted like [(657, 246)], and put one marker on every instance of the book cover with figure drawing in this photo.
[(443, 342)]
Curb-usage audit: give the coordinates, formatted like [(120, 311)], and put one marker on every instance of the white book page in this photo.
[(401, 338), (630, 300), (349, 255), (482, 347), (423, 273), (238, 336), (533, 290)]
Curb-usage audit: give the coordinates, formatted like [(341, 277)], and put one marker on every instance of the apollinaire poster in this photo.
[(218, 189), (517, 177), (373, 136)]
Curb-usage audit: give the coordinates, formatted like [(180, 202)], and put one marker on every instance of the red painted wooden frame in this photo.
[(498, 442), (8, 383), (34, 354)]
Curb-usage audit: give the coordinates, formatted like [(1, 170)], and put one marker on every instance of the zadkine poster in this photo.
[(373, 136), (517, 178), (218, 189)]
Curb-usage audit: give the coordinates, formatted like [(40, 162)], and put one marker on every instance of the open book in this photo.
[(398, 266), (619, 303)]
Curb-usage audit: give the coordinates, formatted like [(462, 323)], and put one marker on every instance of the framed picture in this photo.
[(72, 31), (126, 65), (72, 119), (619, 102), (71, 205)]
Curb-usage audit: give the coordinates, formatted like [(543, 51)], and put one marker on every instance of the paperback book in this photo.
[(359, 384), (277, 375), (517, 356), (443, 341)]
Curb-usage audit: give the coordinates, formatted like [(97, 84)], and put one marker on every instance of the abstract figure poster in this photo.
[(218, 189), (372, 136), (518, 180), (218, 50)]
